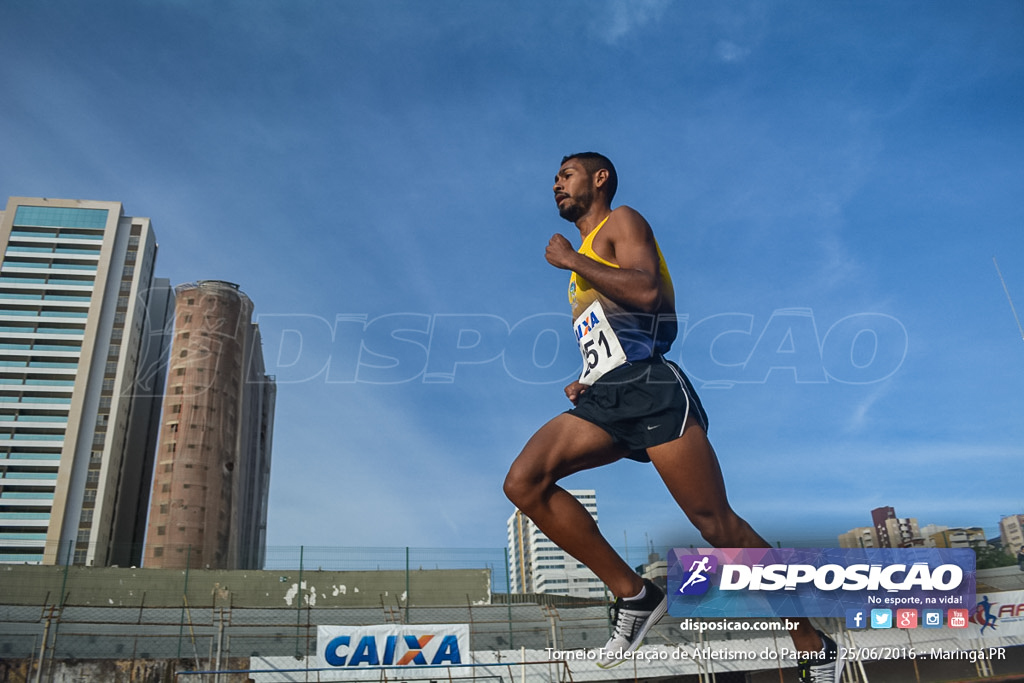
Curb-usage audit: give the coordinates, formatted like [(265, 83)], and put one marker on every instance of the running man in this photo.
[(983, 614), (629, 402)]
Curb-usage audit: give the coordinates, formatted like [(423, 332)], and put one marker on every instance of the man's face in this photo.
[(574, 190)]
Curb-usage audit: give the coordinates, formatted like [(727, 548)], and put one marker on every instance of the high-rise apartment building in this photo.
[(895, 532), (938, 536), (212, 478), (861, 537), (537, 565), (1011, 533), (879, 519), (82, 339)]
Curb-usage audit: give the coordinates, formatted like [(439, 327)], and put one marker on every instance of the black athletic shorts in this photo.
[(641, 404)]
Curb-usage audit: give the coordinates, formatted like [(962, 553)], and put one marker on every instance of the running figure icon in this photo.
[(697, 571)]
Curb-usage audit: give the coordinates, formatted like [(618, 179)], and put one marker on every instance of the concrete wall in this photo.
[(111, 586), (116, 671)]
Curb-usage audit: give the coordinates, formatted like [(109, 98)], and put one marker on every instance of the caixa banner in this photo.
[(392, 645), (816, 582)]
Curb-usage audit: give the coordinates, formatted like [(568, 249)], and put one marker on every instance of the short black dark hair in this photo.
[(594, 162)]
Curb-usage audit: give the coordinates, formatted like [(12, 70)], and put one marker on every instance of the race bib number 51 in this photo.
[(599, 346)]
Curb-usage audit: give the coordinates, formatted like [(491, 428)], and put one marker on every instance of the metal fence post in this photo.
[(67, 565), (508, 592), (58, 608), (184, 601), (298, 604), (42, 649)]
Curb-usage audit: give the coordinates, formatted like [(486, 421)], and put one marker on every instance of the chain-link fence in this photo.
[(202, 619), (205, 616)]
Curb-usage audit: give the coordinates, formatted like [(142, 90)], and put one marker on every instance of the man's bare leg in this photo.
[(565, 445), (689, 467)]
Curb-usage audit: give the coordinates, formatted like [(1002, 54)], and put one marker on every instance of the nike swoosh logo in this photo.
[(650, 427)]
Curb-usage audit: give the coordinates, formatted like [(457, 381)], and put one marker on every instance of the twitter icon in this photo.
[(881, 618)]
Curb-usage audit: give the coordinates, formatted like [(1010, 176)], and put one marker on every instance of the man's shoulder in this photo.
[(628, 222), (624, 212)]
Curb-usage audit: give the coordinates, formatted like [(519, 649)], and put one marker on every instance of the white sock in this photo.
[(640, 595)]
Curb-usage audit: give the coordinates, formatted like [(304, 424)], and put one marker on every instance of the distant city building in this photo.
[(893, 531), (932, 529), (944, 537), (656, 570), (537, 565), (212, 478), (1011, 533), (82, 341), (879, 517), (861, 537)]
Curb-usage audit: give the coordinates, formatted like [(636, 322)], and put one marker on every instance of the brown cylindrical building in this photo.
[(211, 480)]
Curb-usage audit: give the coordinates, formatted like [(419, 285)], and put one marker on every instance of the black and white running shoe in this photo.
[(824, 668), (632, 619)]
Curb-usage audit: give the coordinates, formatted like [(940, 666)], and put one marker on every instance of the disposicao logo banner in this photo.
[(816, 582), (392, 645)]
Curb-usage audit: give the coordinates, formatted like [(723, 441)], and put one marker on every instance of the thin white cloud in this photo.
[(730, 52), (627, 16), (859, 419)]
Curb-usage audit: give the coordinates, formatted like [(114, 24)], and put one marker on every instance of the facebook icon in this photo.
[(855, 618)]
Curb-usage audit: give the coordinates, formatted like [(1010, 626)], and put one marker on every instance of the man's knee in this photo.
[(710, 528), (719, 529), (520, 486), (529, 480), (512, 487)]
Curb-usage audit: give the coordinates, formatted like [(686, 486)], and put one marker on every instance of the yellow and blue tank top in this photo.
[(641, 335)]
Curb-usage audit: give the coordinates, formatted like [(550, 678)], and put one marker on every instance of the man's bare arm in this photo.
[(635, 282)]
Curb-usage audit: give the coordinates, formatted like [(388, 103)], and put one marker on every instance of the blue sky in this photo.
[(830, 183)]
